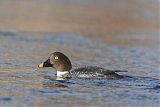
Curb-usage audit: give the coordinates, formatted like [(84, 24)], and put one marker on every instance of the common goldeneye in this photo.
[(63, 66)]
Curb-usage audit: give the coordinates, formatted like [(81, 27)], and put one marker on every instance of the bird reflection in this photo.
[(53, 82)]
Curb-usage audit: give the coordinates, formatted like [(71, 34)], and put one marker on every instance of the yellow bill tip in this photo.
[(40, 65)]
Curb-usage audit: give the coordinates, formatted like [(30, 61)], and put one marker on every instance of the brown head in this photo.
[(59, 61)]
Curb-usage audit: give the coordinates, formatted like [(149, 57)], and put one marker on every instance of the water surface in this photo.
[(22, 84)]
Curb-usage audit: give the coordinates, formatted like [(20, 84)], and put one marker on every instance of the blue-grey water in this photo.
[(23, 84)]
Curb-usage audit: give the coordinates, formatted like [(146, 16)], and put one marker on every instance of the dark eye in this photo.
[(56, 57)]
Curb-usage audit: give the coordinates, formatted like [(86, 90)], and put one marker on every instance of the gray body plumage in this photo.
[(94, 71)]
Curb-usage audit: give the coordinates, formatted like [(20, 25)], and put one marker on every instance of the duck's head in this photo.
[(59, 61)]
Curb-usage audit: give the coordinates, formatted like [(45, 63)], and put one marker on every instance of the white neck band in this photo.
[(60, 73)]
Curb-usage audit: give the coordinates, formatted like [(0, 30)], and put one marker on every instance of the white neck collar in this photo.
[(60, 73)]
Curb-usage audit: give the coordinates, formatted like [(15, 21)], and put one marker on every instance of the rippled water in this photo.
[(22, 84)]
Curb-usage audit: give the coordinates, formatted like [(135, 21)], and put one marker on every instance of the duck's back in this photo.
[(94, 71)]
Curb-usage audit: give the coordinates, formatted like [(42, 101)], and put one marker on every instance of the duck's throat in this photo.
[(62, 73)]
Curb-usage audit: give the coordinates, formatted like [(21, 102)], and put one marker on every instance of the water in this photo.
[(22, 84)]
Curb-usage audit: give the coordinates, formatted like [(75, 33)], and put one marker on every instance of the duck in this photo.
[(62, 64)]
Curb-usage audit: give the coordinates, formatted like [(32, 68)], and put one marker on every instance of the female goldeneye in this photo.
[(63, 66)]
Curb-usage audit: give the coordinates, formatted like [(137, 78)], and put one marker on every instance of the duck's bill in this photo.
[(41, 65), (45, 64)]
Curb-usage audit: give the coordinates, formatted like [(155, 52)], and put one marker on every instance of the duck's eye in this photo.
[(56, 57)]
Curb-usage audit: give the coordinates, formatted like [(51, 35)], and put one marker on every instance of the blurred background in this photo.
[(113, 34), (99, 19)]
